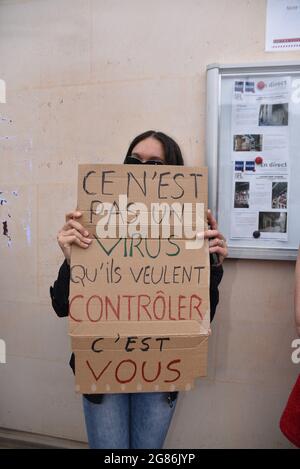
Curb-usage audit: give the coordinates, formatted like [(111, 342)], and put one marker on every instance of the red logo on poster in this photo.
[(260, 85)]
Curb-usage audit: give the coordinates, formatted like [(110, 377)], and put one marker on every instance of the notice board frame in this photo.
[(216, 74)]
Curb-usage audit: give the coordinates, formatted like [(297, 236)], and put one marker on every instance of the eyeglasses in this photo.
[(134, 159)]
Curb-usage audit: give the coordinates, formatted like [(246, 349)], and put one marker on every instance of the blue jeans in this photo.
[(123, 421)]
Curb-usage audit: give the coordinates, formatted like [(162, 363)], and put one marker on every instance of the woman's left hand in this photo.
[(217, 242)]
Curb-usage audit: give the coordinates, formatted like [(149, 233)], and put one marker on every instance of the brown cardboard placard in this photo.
[(139, 307)]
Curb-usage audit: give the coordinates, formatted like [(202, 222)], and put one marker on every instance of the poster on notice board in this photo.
[(260, 158), (283, 25)]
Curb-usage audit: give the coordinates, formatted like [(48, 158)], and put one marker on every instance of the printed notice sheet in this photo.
[(260, 158), (283, 25)]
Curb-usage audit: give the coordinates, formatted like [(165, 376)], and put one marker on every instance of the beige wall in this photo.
[(83, 78)]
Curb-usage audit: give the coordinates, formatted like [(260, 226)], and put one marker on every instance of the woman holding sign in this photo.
[(132, 420)]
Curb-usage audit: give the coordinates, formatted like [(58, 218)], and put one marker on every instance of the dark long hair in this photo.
[(171, 149)]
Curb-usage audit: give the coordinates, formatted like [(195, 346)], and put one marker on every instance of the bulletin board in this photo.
[(253, 156)]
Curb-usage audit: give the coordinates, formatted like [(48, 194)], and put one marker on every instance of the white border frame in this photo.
[(215, 72)]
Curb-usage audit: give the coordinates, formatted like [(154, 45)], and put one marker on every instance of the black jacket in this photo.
[(60, 301)]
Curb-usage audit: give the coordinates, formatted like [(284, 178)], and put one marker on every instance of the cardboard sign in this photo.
[(139, 314)]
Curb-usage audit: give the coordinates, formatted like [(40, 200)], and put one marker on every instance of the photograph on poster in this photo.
[(241, 195), (272, 222), (279, 194), (247, 142), (273, 114)]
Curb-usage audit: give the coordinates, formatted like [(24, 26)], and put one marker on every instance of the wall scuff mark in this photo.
[(5, 232)]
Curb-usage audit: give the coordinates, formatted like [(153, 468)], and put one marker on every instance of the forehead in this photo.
[(149, 147)]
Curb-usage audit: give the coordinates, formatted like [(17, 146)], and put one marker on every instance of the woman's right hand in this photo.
[(72, 233)]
